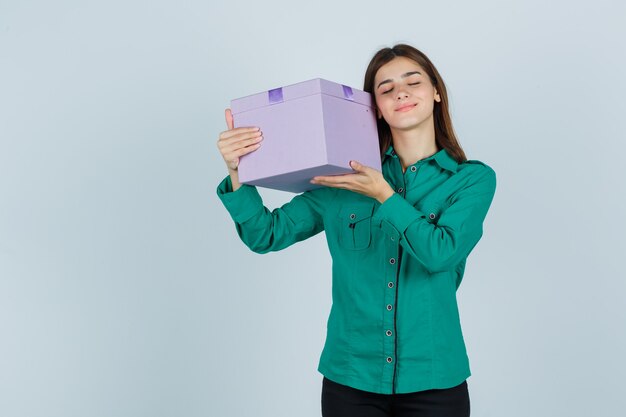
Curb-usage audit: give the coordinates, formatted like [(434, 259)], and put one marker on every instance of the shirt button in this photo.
[(389, 359), (431, 216), (352, 216), (413, 168), (390, 285), (400, 189), (388, 333), (389, 307), (392, 261), (393, 238)]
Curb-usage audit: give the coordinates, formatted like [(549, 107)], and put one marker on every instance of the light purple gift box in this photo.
[(311, 128)]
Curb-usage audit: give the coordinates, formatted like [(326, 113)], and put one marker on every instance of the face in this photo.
[(404, 94)]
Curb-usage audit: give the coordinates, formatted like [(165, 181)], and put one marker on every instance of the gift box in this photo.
[(311, 128)]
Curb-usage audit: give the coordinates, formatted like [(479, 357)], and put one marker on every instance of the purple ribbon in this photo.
[(347, 92), (275, 95)]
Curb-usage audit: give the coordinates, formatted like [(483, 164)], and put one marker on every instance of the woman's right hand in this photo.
[(236, 142)]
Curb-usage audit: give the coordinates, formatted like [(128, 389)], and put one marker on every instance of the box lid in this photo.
[(299, 90)]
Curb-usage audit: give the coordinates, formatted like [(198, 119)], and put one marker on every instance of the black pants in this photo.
[(343, 401)]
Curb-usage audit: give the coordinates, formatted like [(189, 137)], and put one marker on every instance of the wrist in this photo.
[(234, 179), (385, 194)]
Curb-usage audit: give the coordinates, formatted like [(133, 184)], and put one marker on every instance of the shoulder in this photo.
[(476, 168), (477, 175)]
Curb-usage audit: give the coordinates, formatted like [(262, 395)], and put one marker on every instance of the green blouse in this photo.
[(394, 323)]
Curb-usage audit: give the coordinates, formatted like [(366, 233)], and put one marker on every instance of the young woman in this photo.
[(399, 240)]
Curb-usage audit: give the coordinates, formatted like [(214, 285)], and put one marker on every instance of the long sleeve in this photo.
[(263, 230), (440, 244)]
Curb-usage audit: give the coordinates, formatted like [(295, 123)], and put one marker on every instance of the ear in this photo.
[(437, 97)]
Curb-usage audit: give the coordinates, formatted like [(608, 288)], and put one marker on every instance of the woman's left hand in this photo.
[(366, 181)]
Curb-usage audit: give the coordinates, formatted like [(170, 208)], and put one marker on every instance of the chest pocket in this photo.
[(355, 226)]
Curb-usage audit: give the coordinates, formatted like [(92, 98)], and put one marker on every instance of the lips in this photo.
[(406, 107)]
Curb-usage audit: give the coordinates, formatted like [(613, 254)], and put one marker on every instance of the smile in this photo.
[(406, 107)]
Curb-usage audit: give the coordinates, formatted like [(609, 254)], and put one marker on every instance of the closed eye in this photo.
[(391, 89)]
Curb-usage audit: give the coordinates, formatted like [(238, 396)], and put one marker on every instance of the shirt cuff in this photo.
[(397, 212), (242, 204)]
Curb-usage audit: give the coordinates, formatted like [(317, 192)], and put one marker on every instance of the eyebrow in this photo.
[(403, 76)]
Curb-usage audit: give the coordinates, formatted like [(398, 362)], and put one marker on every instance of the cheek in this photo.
[(383, 104), (380, 107)]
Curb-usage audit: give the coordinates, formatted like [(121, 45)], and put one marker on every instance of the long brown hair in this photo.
[(444, 132)]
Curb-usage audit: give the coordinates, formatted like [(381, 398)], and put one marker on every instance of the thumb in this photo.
[(229, 119), (357, 166)]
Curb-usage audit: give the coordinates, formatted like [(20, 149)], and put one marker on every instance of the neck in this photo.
[(414, 144)]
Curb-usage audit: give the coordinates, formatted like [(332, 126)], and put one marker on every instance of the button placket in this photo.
[(388, 325)]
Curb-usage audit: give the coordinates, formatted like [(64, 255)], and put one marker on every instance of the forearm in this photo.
[(443, 236)]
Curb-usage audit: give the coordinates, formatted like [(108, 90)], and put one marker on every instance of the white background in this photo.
[(124, 290)]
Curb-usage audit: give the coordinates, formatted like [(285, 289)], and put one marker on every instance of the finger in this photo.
[(242, 151), (326, 183), (232, 136), (230, 124), (239, 133), (357, 166), (329, 179), (234, 144), (334, 184), (344, 181), (229, 119), (230, 146)]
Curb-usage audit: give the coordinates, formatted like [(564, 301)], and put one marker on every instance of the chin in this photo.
[(409, 122), (406, 124)]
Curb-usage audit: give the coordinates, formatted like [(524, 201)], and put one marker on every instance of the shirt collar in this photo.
[(442, 158)]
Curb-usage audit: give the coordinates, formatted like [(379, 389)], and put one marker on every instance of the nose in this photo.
[(401, 94)]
